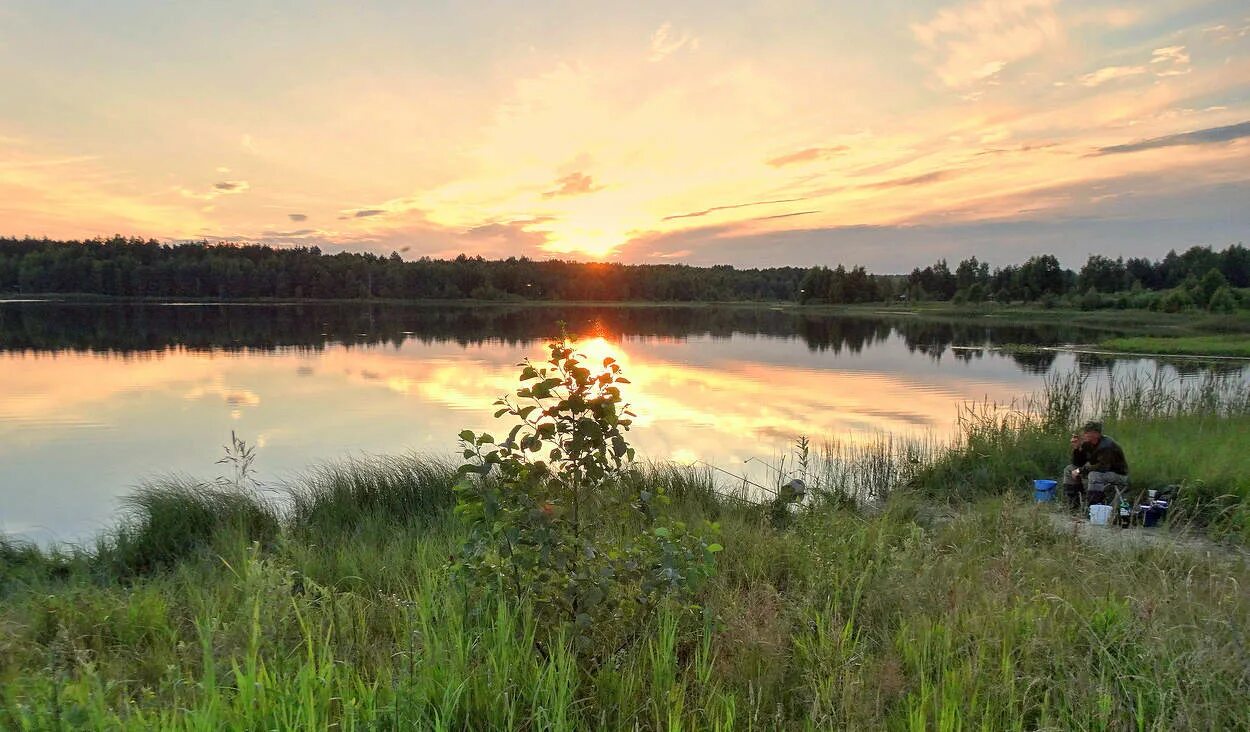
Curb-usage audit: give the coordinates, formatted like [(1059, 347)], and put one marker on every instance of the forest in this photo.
[(1200, 277)]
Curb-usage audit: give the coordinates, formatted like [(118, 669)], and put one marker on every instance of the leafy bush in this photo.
[(552, 521), (1174, 302), (1093, 300), (1211, 282), (1222, 301)]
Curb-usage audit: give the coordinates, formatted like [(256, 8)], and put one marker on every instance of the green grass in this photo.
[(1227, 344), (1114, 322), (1191, 435), (947, 600), (882, 620)]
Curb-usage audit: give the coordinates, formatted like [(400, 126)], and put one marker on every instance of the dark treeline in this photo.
[(136, 330), (1200, 277), (134, 268)]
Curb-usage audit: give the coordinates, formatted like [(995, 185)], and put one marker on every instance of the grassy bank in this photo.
[(948, 600), (1146, 322), (1228, 344)]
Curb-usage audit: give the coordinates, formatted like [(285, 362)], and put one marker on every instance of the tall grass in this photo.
[(334, 608), (337, 497), (844, 620), (169, 520), (1186, 433)]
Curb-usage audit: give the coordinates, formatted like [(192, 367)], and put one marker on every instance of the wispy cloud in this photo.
[(48, 163), (1109, 73), (1026, 147), (914, 180), (296, 233), (786, 215), (806, 156), (573, 184), (221, 188), (523, 235), (1170, 54), (665, 42), (1209, 136), (713, 209), (365, 213), (297, 217), (976, 40), (1170, 61)]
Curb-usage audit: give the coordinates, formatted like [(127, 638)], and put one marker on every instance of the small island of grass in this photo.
[(1224, 344)]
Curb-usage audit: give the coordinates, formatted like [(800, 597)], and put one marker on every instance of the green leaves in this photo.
[(546, 510)]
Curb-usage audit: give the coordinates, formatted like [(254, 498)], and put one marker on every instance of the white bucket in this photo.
[(1099, 514)]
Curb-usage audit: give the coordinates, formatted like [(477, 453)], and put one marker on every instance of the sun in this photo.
[(590, 229), (593, 244)]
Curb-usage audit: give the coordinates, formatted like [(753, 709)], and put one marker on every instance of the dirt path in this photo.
[(1114, 538)]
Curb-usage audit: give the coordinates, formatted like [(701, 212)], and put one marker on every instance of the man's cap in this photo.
[(1092, 426)]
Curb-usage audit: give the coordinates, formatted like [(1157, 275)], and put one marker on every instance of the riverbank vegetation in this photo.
[(917, 587), (1228, 344)]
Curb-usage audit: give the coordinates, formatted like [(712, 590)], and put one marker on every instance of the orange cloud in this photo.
[(573, 184), (807, 155)]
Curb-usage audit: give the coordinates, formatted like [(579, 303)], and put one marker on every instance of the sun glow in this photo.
[(600, 144)]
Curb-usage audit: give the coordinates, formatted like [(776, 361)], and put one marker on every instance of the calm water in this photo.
[(96, 398)]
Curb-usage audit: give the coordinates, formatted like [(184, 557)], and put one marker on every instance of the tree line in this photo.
[(1199, 277), (122, 267), (135, 268)]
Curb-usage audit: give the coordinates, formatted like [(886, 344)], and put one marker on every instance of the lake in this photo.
[(96, 398)]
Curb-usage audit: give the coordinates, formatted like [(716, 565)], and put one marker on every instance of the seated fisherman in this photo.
[(1098, 467)]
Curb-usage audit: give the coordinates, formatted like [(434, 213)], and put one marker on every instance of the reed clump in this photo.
[(337, 497), (169, 520)]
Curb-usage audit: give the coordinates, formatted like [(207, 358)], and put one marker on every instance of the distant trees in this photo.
[(935, 282), (136, 268), (824, 285), (122, 267), (1104, 275), (1174, 283)]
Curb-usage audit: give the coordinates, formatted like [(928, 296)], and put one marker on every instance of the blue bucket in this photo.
[(1044, 490)]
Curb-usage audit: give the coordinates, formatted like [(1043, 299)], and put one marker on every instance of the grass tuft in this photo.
[(168, 521)]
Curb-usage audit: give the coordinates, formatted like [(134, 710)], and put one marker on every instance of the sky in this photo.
[(749, 133)]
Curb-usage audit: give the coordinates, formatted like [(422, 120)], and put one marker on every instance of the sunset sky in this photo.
[(751, 133)]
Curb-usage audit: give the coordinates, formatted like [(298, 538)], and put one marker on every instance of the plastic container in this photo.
[(1099, 514), (1044, 490)]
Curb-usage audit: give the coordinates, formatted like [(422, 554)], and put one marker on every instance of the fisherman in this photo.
[(1098, 468)]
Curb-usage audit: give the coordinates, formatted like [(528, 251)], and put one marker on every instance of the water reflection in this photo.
[(147, 328), (94, 398)]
